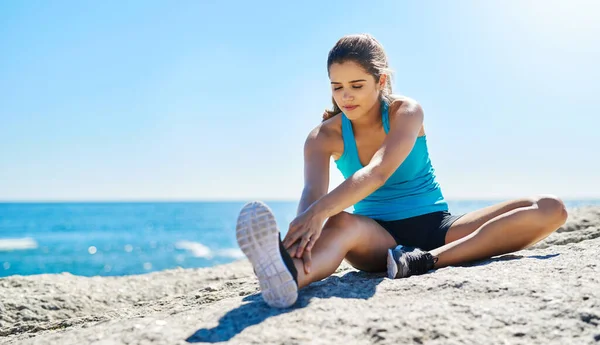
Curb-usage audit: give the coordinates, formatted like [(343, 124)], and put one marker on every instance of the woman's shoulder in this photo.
[(330, 128), (327, 134), (410, 108), (396, 101)]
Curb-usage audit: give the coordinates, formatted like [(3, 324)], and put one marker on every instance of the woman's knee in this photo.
[(341, 220), (552, 209), (342, 227)]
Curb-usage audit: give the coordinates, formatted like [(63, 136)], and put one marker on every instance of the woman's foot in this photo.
[(404, 262), (258, 237)]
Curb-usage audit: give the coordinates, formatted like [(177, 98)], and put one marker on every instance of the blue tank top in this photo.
[(412, 190)]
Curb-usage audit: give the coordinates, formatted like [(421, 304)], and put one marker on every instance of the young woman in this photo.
[(400, 219)]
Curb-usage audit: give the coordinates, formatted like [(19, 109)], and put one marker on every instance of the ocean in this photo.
[(119, 238)]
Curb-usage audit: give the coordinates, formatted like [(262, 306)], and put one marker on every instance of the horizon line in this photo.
[(149, 200)]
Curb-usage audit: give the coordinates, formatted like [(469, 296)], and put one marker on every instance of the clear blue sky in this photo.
[(181, 100)]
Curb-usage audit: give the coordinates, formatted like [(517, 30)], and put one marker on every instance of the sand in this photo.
[(548, 294)]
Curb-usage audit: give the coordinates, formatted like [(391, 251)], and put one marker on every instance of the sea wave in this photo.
[(10, 244), (234, 253), (196, 248), (199, 250)]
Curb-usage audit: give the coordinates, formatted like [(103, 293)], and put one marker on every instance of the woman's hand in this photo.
[(305, 228), (306, 257)]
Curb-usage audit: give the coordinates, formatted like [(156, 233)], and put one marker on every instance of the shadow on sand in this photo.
[(508, 257), (360, 285)]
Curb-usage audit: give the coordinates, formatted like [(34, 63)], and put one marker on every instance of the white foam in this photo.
[(9, 244), (197, 249), (234, 253)]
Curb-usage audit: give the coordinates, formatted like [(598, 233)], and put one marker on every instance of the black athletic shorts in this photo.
[(426, 232)]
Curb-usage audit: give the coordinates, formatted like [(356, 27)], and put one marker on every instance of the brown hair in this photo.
[(365, 50)]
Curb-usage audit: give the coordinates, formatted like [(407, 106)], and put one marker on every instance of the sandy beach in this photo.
[(547, 294)]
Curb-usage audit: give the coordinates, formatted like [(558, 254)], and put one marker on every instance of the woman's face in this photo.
[(354, 90)]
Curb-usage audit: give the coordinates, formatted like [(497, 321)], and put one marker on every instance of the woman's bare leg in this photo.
[(501, 229)]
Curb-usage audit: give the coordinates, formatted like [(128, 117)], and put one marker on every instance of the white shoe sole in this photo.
[(258, 237), (392, 267)]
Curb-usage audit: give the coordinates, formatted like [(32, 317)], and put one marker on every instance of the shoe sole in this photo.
[(258, 237), (392, 267)]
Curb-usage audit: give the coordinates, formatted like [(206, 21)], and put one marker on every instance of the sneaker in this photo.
[(259, 239), (403, 262)]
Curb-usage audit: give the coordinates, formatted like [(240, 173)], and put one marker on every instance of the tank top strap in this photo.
[(385, 117), (350, 149)]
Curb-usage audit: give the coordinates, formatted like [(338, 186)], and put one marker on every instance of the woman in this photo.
[(400, 220)]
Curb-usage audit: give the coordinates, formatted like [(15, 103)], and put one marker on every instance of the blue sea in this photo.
[(115, 239)]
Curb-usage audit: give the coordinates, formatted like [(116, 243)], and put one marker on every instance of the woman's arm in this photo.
[(317, 152), (316, 167)]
